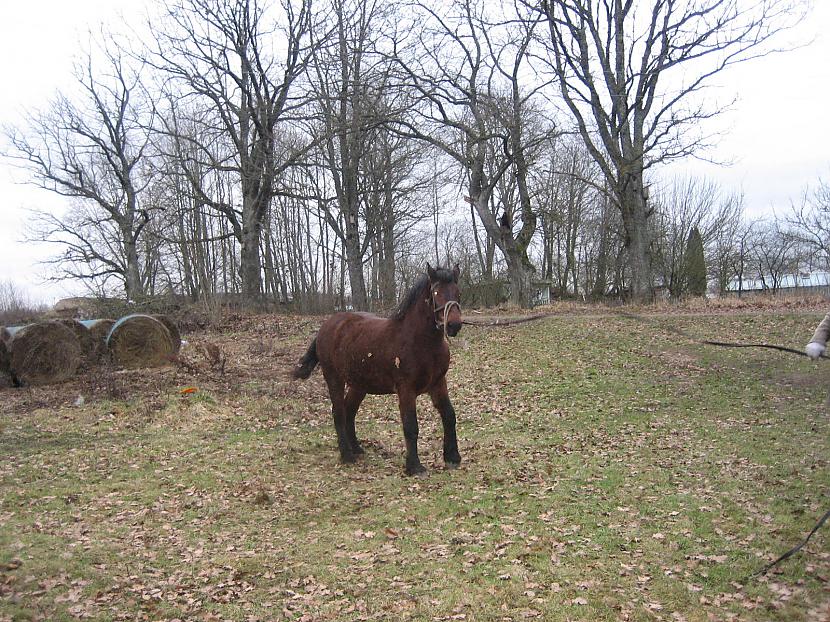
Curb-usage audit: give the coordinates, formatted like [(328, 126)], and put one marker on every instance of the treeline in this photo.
[(320, 153)]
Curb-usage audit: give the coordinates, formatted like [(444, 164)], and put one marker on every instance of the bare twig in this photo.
[(793, 550)]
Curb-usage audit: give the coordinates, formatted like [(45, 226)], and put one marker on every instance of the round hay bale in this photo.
[(85, 340), (5, 369), (42, 352), (99, 330), (140, 341), (175, 335)]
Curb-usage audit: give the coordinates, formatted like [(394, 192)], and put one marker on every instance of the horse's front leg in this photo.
[(441, 400), (409, 419)]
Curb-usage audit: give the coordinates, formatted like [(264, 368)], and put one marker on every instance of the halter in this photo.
[(444, 307)]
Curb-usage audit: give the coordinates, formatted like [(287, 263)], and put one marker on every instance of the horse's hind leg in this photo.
[(441, 400), (353, 399), (338, 412)]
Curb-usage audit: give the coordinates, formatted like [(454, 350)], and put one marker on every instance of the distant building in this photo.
[(542, 292), (801, 283), (75, 307)]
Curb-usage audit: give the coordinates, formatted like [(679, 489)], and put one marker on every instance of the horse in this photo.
[(406, 353)]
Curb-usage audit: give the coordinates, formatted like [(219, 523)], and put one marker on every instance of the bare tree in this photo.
[(223, 57), (394, 184), (465, 71), (810, 221), (632, 75), (603, 249), (737, 269), (727, 250), (350, 83), (200, 250), (92, 148), (567, 195), (774, 253), (684, 205)]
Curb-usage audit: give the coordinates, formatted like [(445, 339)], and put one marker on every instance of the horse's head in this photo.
[(446, 299)]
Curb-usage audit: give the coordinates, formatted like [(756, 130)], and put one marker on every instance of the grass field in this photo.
[(613, 470)]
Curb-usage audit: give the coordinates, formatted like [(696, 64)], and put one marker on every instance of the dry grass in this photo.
[(611, 472)]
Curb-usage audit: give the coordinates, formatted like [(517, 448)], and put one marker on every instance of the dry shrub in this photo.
[(99, 330), (15, 306), (170, 325), (43, 352), (783, 302), (215, 356), (140, 341)]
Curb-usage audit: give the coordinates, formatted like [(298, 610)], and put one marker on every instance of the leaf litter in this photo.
[(642, 482)]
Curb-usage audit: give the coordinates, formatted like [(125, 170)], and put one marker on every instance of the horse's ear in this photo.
[(433, 276), (456, 272)]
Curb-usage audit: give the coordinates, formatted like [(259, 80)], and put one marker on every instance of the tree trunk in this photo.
[(635, 221), (601, 269), (520, 277), (519, 269), (251, 267), (387, 266), (132, 277), (354, 261)]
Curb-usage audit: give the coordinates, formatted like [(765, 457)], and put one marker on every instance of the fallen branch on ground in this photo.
[(793, 550), (508, 321)]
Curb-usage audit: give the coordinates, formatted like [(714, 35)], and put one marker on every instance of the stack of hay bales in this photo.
[(53, 351)]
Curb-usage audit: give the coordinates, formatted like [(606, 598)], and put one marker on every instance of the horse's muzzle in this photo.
[(453, 328)]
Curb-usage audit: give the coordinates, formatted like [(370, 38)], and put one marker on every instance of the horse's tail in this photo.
[(307, 363)]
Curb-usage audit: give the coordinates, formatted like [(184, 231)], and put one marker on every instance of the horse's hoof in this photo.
[(419, 470), (357, 450), (348, 458), (452, 466)]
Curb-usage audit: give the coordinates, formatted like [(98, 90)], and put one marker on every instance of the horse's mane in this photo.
[(417, 291)]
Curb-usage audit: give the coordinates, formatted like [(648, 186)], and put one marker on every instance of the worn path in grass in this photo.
[(612, 471)]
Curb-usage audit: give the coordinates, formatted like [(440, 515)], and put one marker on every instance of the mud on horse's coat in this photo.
[(406, 354)]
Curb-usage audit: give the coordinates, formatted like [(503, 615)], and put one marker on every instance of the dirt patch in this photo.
[(806, 379)]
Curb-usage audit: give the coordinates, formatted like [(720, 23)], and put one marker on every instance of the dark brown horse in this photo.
[(406, 354)]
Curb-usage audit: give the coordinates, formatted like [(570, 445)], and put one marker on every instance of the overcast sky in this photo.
[(778, 136)]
